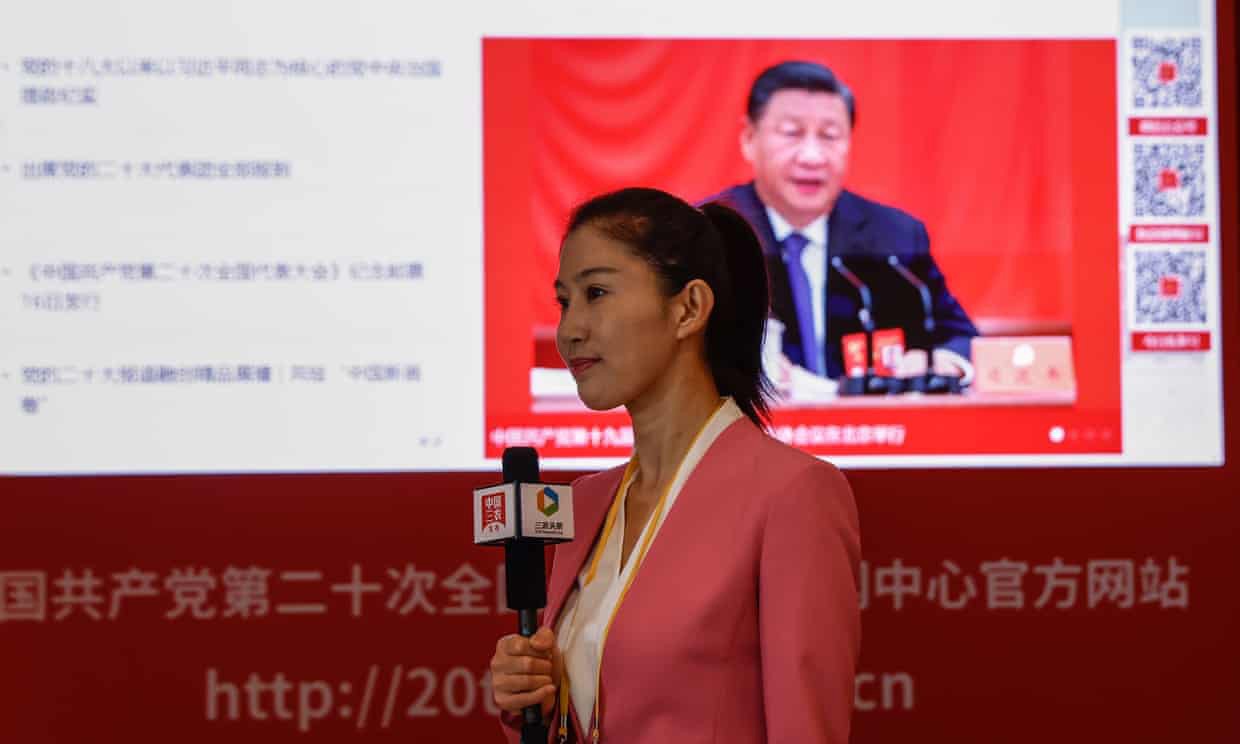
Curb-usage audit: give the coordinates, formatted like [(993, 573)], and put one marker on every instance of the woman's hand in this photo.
[(526, 671)]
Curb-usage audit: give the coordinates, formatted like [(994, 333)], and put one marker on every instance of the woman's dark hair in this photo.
[(716, 245), (797, 75)]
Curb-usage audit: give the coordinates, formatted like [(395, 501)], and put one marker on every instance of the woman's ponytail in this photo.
[(734, 337)]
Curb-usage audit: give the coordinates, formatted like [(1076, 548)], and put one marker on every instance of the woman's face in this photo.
[(616, 332)]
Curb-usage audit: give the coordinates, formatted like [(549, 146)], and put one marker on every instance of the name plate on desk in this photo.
[(1024, 364)]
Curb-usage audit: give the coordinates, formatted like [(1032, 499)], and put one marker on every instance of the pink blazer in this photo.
[(743, 623)]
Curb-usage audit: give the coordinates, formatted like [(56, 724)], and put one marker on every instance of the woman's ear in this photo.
[(692, 306)]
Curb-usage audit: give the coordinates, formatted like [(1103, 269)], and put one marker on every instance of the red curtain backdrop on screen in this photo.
[(972, 137)]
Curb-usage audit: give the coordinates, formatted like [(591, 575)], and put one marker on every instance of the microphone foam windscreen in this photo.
[(521, 464)]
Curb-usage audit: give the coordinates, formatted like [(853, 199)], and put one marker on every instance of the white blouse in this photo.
[(592, 604)]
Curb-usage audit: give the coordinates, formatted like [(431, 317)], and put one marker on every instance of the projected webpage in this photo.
[(292, 239)]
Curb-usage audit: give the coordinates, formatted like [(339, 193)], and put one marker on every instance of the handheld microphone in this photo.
[(523, 515)]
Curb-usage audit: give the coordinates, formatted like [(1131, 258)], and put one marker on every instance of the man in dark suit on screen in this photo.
[(796, 136)]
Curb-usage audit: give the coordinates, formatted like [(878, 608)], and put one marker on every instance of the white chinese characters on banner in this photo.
[(249, 593), (23, 596)]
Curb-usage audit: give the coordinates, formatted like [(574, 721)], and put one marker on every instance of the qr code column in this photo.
[(1168, 188)]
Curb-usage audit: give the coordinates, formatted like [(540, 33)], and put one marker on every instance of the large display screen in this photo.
[(282, 238)]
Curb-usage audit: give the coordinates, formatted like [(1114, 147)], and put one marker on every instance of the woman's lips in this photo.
[(580, 365)]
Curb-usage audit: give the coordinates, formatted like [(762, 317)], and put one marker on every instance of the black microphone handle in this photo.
[(534, 733), (527, 595), (527, 622), (527, 625), (533, 730), (526, 578)]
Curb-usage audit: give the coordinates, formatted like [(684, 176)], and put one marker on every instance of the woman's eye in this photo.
[(562, 302), (593, 293)]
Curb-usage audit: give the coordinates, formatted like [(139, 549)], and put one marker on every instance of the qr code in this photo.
[(1166, 72), (1170, 286), (1169, 180)]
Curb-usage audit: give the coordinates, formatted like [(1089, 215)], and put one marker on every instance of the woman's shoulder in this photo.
[(789, 491), (751, 449)]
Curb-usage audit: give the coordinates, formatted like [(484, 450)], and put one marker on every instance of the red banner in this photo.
[(320, 608), (1168, 126), (1169, 233), (1171, 341)]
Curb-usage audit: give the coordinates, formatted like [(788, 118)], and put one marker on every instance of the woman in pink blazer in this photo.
[(711, 595)]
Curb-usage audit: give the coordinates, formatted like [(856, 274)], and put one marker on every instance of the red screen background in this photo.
[(1005, 148)]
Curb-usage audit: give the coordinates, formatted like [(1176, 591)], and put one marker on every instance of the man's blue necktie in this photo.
[(793, 245)]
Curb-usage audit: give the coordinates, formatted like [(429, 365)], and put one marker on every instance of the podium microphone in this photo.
[(524, 515), (851, 385), (929, 382), (927, 305), (866, 313)]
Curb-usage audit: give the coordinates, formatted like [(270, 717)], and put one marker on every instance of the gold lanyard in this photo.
[(652, 526)]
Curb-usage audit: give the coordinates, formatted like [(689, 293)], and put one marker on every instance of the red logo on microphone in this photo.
[(494, 512)]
